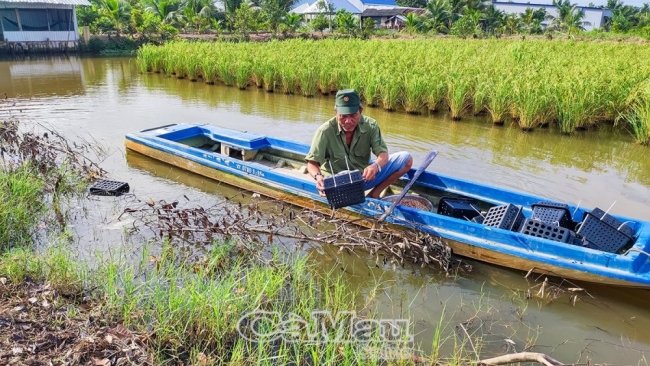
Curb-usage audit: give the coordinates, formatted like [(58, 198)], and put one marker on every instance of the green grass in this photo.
[(22, 208)]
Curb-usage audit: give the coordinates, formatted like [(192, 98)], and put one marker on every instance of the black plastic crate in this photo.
[(109, 188), (508, 217), (553, 213), (547, 230), (460, 208), (613, 221), (345, 189), (601, 234), (582, 242), (478, 219)]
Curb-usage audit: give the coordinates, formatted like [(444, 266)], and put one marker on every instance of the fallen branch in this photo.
[(521, 357)]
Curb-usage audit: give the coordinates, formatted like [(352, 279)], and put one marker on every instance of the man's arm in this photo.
[(313, 168), (373, 169)]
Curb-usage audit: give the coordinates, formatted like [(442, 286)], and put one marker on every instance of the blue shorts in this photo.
[(396, 162)]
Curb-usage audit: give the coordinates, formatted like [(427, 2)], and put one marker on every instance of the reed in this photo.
[(499, 101), (243, 74), (308, 80), (458, 96), (415, 93), (467, 75)]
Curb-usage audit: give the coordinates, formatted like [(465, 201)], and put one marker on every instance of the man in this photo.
[(352, 136)]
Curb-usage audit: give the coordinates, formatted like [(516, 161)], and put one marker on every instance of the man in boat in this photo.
[(352, 136)]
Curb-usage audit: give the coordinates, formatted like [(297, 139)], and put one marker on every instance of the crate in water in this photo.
[(547, 230), (109, 188), (552, 212), (345, 189), (613, 221), (460, 208), (508, 217), (601, 234)]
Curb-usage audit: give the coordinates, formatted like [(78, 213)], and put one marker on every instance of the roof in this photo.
[(370, 12), (338, 5), (352, 6), (46, 2)]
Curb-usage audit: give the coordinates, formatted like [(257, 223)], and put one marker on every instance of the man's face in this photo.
[(349, 122)]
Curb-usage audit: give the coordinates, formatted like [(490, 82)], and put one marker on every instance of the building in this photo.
[(391, 18), (311, 7), (39, 24), (594, 18)]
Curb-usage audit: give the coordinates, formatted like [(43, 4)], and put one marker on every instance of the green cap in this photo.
[(347, 101)]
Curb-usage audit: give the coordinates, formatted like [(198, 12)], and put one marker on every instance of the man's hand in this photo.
[(320, 184), (370, 172)]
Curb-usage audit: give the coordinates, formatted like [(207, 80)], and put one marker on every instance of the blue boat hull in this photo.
[(235, 164)]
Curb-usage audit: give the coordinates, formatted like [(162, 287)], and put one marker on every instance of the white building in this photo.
[(594, 17), (40, 23)]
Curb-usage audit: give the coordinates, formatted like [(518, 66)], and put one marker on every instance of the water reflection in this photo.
[(42, 77)]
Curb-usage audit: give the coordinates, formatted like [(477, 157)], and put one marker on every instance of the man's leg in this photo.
[(398, 165)]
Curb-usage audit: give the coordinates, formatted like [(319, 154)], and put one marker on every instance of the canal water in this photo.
[(102, 99)]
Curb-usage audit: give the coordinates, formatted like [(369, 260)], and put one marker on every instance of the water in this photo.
[(102, 99)]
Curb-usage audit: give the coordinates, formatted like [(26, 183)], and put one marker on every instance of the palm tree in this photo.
[(413, 23), (493, 19), (437, 16), (161, 7), (511, 24), (117, 11)]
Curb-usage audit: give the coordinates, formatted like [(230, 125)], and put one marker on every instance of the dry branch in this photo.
[(521, 357)]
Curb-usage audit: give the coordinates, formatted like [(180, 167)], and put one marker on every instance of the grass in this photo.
[(21, 194)]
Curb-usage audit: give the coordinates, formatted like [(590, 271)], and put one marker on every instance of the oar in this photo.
[(427, 160)]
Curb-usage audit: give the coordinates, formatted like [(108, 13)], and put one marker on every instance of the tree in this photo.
[(245, 20), (413, 23), (275, 11), (292, 22), (412, 3), (437, 16), (467, 25), (117, 12), (493, 20), (319, 23), (325, 6), (346, 22)]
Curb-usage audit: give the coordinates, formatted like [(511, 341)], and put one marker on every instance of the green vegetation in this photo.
[(571, 85)]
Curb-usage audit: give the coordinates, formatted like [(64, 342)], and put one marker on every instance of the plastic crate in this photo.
[(601, 234), (109, 188), (508, 217), (460, 208), (613, 221), (478, 219), (553, 213), (547, 230), (345, 189), (582, 242)]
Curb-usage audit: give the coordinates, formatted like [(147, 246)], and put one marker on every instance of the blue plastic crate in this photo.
[(508, 217), (345, 189)]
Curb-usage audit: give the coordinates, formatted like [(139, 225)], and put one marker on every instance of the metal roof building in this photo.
[(40, 23), (353, 6), (594, 18)]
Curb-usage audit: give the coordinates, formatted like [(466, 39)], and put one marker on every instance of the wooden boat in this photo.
[(276, 168)]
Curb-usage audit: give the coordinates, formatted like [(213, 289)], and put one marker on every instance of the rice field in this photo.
[(570, 85)]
